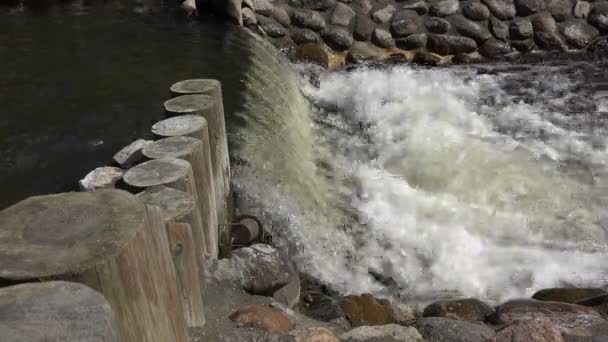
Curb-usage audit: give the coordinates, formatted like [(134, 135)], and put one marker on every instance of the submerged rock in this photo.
[(438, 329), (383, 333), (367, 310), (263, 317), (470, 309), (567, 295)]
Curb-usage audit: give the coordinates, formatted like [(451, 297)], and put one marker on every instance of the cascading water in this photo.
[(417, 182)]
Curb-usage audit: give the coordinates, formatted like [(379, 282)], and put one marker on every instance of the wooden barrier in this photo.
[(178, 206), (106, 239), (55, 311), (186, 92), (199, 155)]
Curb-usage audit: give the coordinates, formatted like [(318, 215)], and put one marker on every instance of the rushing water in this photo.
[(481, 181)]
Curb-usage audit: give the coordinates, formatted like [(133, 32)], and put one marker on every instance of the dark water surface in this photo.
[(81, 80)]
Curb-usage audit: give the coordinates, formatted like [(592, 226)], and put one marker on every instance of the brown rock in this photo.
[(367, 310), (426, 58), (470, 309), (317, 335), (598, 303), (538, 330), (319, 53), (263, 317), (544, 22), (567, 295)]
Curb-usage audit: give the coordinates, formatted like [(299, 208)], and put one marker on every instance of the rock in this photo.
[(383, 39), (494, 48), (443, 8), (499, 29), (289, 295), (579, 34), (342, 15), (337, 38), (271, 27), (363, 28), (521, 28), (475, 10), (263, 317), (470, 309), (367, 310), (131, 155), (361, 52), (362, 6), (523, 45), (412, 42), (405, 23), (317, 335), (438, 329), (598, 303), (382, 333), (544, 22), (286, 46), (263, 7), (450, 45), (383, 15), (248, 3), (469, 28), (317, 5), (549, 41), (560, 9), (426, 58), (581, 9), (437, 25), (308, 19), (264, 269), (465, 58), (323, 308), (502, 9), (104, 177), (249, 17), (281, 16), (598, 16), (538, 330), (420, 7), (528, 7), (303, 36)]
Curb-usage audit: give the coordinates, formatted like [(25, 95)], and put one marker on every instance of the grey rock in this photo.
[(412, 42), (502, 9), (131, 154), (304, 36), (263, 7), (264, 269), (560, 9), (450, 45), (469, 28), (436, 329), (364, 27), (271, 27), (281, 16), (382, 333), (337, 38), (405, 23), (581, 9), (308, 19), (578, 33), (528, 7), (494, 48), (467, 309), (523, 45), (323, 308), (598, 16), (286, 46), (383, 15), (437, 25), (104, 177), (549, 41), (476, 11), (248, 3), (362, 6), (361, 52), (443, 8), (289, 295), (499, 29), (544, 22), (318, 5), (538, 330), (382, 39), (521, 28), (342, 15), (421, 7)]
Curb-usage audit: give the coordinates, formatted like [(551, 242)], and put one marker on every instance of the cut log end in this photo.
[(174, 204), (57, 234), (172, 147), (194, 86), (188, 104), (157, 172), (179, 125)]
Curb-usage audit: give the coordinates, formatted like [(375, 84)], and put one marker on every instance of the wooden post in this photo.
[(195, 127), (176, 174), (191, 150), (106, 239), (183, 92), (55, 311)]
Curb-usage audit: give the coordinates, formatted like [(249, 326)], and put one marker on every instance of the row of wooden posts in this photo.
[(116, 265)]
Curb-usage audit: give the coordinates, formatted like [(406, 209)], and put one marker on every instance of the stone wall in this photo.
[(433, 31)]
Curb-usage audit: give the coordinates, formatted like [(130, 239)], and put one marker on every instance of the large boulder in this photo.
[(469, 309), (405, 23), (437, 25), (537, 330), (367, 310), (443, 8), (528, 7), (598, 16), (521, 28), (475, 10), (308, 19), (438, 329), (450, 45), (469, 28), (382, 333), (263, 317), (264, 269), (337, 38), (560, 9), (342, 15), (502, 9)]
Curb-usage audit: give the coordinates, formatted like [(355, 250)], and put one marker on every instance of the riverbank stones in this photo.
[(367, 310), (438, 329), (502, 9), (528, 7), (412, 42), (567, 295), (308, 19), (598, 16), (304, 36), (317, 5), (499, 29), (383, 39), (581, 9), (420, 7), (521, 28), (469, 309), (450, 45), (384, 333), (437, 25), (383, 15), (443, 8), (477, 11), (337, 38), (405, 23), (493, 48), (469, 28), (342, 15), (363, 28)]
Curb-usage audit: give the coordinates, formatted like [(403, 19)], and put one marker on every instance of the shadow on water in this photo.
[(81, 79)]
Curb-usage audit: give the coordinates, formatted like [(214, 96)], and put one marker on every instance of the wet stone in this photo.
[(476, 11), (367, 310), (262, 317), (272, 28), (469, 28), (342, 15), (581, 9), (469, 309), (544, 22), (383, 39), (421, 7), (523, 45), (249, 17), (286, 46), (549, 41), (437, 25), (437, 329), (502, 9), (450, 45), (578, 33), (499, 29), (383, 15), (318, 5), (308, 19), (528, 7), (364, 27), (520, 29), (426, 58), (494, 48), (538, 330), (443, 8), (565, 315), (598, 303), (263, 7), (362, 6), (337, 38), (323, 308), (412, 42), (281, 16), (382, 333), (361, 52), (560, 9), (598, 16), (303, 36), (567, 295), (405, 23)]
